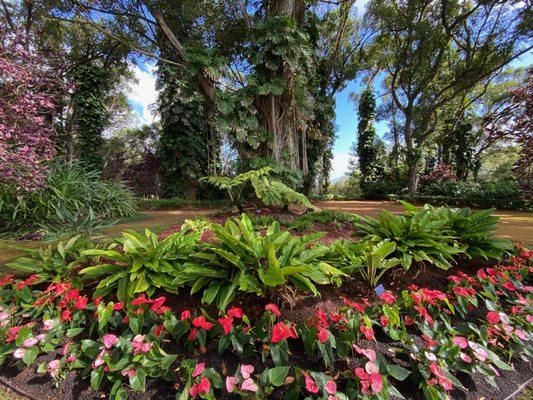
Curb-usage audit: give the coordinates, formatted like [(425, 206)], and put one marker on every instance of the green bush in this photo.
[(418, 237), (505, 195), (139, 263), (71, 193), (155, 203), (246, 261)]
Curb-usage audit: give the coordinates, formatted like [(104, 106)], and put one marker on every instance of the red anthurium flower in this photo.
[(493, 317), (280, 331), (428, 341), (509, 286), (226, 323), (412, 287), (422, 311), (118, 306), (192, 335), (12, 333), (367, 331), (357, 306), (310, 384), (157, 303), (384, 321), (81, 303), (463, 292), (371, 380), (322, 334), (235, 312), (65, 316), (273, 309), (408, 320), (437, 371), (322, 318), (388, 297), (140, 300), (158, 329), (185, 314), (8, 279), (198, 370), (200, 388), (201, 322)]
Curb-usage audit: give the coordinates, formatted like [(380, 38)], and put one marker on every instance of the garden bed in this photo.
[(423, 332)]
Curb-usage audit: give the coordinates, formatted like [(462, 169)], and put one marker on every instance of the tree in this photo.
[(436, 51), (515, 123), (367, 146), (27, 111)]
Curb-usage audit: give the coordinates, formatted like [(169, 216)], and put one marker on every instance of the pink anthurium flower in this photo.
[(246, 370), (231, 382), (249, 385), (109, 340)]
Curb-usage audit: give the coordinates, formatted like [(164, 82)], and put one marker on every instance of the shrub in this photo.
[(418, 237), (504, 195), (246, 261), (139, 264), (69, 190), (54, 263)]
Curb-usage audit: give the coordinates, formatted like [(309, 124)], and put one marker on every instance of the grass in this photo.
[(6, 394)]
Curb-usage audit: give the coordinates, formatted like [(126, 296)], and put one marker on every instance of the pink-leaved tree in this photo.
[(27, 111)]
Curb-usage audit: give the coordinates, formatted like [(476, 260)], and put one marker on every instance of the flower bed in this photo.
[(413, 342)]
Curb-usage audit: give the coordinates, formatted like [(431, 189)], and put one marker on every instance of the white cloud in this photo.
[(339, 165), (143, 93)]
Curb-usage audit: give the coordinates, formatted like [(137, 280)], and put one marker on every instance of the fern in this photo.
[(269, 191)]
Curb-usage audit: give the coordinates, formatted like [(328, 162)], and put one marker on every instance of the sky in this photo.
[(143, 94)]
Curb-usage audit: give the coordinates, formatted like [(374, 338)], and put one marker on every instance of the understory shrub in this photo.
[(71, 194), (505, 195)]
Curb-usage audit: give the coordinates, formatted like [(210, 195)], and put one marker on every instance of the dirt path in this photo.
[(513, 225)]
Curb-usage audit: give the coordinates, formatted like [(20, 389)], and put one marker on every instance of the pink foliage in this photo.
[(27, 111)]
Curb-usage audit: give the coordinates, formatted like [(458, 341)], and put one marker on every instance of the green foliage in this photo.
[(346, 188), (504, 195), (139, 264), (268, 191), (474, 229), (90, 113), (418, 237), (72, 194), (307, 220), (155, 203), (246, 261), (187, 142), (56, 263), (369, 160)]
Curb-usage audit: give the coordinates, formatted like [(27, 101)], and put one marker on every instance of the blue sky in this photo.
[(143, 94)]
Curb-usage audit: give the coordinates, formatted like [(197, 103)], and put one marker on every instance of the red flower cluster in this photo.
[(227, 321)]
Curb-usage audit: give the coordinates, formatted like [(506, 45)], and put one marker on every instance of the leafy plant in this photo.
[(54, 263), (140, 264), (269, 191), (472, 228), (69, 192), (246, 261), (418, 237)]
